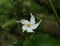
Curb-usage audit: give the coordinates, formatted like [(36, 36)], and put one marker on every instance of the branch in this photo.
[(56, 15)]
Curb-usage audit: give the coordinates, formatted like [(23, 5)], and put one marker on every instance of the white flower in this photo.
[(29, 26)]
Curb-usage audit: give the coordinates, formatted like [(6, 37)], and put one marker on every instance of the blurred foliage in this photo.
[(5, 6), (9, 23), (11, 32), (41, 40)]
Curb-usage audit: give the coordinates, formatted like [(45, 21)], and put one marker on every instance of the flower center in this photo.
[(28, 25)]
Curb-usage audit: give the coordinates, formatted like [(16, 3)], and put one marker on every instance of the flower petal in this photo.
[(36, 25), (24, 28), (30, 30), (32, 20), (23, 21)]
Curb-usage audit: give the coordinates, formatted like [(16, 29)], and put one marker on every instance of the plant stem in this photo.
[(56, 15)]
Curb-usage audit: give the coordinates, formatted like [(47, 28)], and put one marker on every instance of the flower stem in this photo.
[(56, 15)]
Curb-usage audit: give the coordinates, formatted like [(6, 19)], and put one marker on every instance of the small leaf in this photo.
[(41, 40), (9, 23)]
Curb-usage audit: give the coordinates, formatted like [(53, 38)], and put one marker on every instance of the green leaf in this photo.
[(3, 19), (16, 43), (19, 43), (41, 40), (9, 23)]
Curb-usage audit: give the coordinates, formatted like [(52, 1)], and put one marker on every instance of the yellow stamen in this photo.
[(28, 25)]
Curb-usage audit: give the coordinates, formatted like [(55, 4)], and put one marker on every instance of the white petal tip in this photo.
[(30, 13), (40, 21), (28, 31), (17, 21), (31, 32), (22, 31)]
